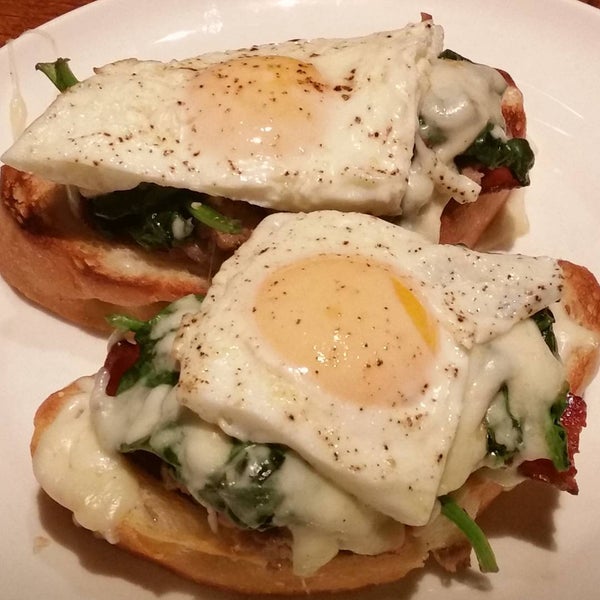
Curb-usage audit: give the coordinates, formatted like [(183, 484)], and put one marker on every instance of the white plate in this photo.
[(547, 544)]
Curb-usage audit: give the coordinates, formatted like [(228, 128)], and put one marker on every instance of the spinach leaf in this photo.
[(155, 217), (215, 220), (500, 419), (243, 487), (556, 436), (242, 490), (430, 134), (59, 73), (485, 555), (451, 55), (151, 366), (544, 319), (492, 152)]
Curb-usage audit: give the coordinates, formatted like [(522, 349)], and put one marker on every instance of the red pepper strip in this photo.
[(121, 357), (573, 420)]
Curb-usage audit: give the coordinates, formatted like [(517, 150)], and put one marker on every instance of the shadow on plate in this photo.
[(526, 513)]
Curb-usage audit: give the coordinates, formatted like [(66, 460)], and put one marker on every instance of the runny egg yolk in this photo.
[(351, 325), (256, 106)]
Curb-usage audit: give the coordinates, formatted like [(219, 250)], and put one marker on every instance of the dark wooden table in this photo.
[(18, 15)]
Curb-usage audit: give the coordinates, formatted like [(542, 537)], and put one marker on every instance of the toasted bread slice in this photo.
[(54, 259), (168, 528)]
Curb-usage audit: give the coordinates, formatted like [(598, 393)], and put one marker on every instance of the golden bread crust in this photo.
[(57, 261), (581, 299)]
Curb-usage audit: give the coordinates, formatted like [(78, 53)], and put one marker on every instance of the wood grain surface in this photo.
[(16, 16)]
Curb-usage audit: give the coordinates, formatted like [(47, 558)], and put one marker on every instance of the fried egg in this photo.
[(301, 125), (347, 338)]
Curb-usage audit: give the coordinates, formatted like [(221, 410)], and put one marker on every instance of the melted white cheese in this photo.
[(520, 359), (462, 99), (78, 473), (322, 518)]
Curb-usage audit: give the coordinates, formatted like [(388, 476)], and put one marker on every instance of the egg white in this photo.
[(301, 125), (389, 453)]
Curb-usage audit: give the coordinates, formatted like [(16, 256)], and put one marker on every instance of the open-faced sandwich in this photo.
[(342, 403), (135, 184)]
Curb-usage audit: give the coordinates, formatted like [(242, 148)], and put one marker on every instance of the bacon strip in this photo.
[(466, 223), (121, 357), (573, 420)]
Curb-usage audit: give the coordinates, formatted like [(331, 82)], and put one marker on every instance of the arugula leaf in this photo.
[(485, 555), (492, 152), (59, 73), (148, 214)]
